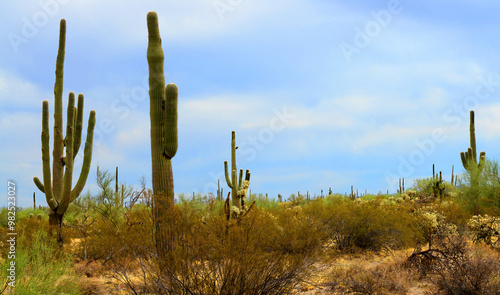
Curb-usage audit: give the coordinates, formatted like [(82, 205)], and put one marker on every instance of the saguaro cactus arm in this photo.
[(68, 159), (240, 179), (171, 98), (226, 173), (46, 187), (78, 125), (232, 182), (87, 158), (247, 176)]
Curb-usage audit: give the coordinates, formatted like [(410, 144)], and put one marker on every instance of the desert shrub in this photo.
[(473, 272), (31, 212), (26, 228), (29, 227), (297, 200), (262, 201), (453, 213), (426, 186), (481, 190), (197, 201), (433, 225), (371, 225), (262, 254), (40, 269), (100, 238), (432, 260), (299, 232), (4, 216), (454, 267), (485, 229)]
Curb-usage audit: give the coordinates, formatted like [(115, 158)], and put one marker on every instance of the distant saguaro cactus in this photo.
[(469, 158), (57, 187), (438, 186), (238, 188)]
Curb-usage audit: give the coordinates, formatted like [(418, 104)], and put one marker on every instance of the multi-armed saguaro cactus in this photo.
[(469, 158), (238, 188), (57, 187)]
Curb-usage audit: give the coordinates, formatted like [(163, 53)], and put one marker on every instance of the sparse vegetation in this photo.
[(435, 237), (279, 246)]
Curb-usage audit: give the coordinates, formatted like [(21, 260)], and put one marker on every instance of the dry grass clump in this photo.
[(365, 276), (100, 238)]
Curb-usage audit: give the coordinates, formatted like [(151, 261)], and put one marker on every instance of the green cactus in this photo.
[(469, 158), (220, 192), (238, 188), (163, 114), (57, 187), (119, 195), (438, 185)]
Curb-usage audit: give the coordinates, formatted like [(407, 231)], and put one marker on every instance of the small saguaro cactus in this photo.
[(57, 187), (220, 191), (452, 176), (469, 158), (438, 186), (238, 188)]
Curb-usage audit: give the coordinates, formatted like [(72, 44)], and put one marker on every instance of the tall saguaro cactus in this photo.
[(238, 188), (469, 158), (163, 115), (57, 187)]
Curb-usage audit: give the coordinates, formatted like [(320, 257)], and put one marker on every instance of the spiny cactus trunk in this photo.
[(163, 115), (55, 223), (57, 160)]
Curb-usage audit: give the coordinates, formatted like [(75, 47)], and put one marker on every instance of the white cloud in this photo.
[(16, 92), (123, 23), (487, 121)]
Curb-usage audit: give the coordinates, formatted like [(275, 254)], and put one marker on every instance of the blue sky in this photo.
[(320, 93)]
